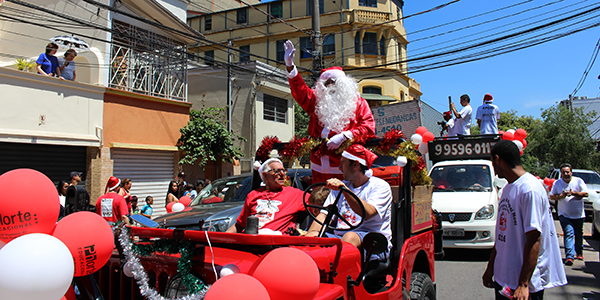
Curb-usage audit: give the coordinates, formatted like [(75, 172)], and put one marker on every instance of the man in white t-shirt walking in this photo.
[(569, 191), (462, 119), (525, 259), (488, 115)]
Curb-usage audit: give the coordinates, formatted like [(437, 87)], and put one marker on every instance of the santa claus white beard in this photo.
[(336, 104)]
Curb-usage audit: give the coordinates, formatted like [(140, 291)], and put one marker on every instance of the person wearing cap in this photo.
[(462, 119), (374, 193), (488, 115), (75, 178), (276, 206), (112, 206), (448, 126), (337, 113)]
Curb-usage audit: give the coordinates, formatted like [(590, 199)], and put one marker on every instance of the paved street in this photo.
[(458, 275)]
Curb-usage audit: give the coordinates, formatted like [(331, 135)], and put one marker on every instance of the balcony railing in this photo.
[(367, 16)]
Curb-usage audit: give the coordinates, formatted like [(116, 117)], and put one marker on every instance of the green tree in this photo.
[(205, 138), (564, 137), (510, 120), (301, 119)]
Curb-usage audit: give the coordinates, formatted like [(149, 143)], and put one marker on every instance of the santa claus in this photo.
[(337, 112)]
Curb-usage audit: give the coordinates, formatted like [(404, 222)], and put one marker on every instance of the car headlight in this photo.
[(176, 288), (486, 212), (218, 225)]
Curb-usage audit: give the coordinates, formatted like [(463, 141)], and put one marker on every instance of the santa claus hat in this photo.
[(360, 154), (488, 98), (447, 114), (333, 72), (112, 183), (260, 167)]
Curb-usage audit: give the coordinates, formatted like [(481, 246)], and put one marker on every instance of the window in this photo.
[(277, 9), (209, 57), (208, 23), (370, 43), (274, 109), (280, 50), (242, 15), (245, 56), (382, 46), (357, 43), (305, 47), (368, 3), (329, 45), (371, 90), (309, 4)]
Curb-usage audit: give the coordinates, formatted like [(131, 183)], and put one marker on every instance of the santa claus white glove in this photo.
[(336, 140), (290, 52)]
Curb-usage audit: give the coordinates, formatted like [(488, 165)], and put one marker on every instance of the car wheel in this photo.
[(421, 287)]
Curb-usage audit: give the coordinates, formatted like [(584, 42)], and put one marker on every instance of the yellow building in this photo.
[(365, 37)]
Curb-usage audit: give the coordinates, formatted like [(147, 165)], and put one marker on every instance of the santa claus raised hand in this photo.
[(336, 109)]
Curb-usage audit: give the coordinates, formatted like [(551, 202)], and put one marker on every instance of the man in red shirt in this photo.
[(112, 206), (276, 206)]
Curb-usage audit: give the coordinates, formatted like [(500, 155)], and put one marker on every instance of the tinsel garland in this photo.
[(171, 247), (264, 151)]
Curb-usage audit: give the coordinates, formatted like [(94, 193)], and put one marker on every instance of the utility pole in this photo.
[(229, 86), (571, 103), (317, 39)]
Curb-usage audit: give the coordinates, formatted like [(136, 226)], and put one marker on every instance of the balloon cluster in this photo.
[(548, 182), (179, 206), (421, 138), (268, 280), (39, 256), (517, 136)]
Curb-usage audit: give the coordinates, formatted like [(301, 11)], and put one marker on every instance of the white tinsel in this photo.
[(140, 274)]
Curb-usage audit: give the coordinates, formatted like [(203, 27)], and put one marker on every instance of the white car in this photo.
[(466, 193)]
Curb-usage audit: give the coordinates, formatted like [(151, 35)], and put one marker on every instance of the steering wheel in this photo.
[(333, 210)]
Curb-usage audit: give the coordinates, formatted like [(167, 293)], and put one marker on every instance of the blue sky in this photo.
[(526, 80)]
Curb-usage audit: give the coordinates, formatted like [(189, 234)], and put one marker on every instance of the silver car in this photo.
[(591, 179)]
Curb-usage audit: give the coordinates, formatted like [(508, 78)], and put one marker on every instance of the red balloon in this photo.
[(521, 153), (547, 181), (500, 132), (282, 269), (428, 136), (524, 143), (170, 206), (28, 204), (421, 130), (520, 134), (89, 238), (237, 286), (185, 200), (70, 295), (508, 136)]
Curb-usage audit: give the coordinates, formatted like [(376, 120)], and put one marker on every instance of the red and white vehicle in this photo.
[(344, 274)]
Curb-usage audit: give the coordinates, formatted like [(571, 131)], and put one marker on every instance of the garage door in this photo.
[(150, 173)]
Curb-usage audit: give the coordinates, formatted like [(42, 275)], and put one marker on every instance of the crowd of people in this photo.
[(459, 122)]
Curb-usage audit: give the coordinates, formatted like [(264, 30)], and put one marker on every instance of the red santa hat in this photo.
[(333, 72), (488, 98), (112, 183), (447, 114), (360, 154)]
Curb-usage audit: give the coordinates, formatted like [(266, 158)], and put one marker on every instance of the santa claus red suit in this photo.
[(336, 110)]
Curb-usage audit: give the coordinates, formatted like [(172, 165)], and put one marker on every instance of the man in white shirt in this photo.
[(462, 119), (569, 191), (488, 115), (525, 259)]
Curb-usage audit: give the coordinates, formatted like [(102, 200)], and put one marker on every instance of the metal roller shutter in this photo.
[(150, 173), (54, 161)]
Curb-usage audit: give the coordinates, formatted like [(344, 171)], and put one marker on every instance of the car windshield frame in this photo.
[(462, 178), (222, 185)]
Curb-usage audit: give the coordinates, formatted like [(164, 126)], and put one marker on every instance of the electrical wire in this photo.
[(587, 69)]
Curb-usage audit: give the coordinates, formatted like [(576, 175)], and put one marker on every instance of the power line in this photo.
[(587, 68)]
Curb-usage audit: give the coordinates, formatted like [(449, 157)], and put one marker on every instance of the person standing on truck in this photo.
[(337, 113), (487, 116), (462, 119), (276, 206), (569, 192), (374, 193), (525, 259)]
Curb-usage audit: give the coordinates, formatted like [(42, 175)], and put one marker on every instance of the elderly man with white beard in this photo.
[(337, 112)]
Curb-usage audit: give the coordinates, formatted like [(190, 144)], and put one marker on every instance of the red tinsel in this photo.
[(263, 152), (420, 165), (363, 139), (291, 150), (390, 138)]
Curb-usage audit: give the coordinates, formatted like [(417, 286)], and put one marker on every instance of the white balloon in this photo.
[(229, 269), (127, 270), (519, 144), (416, 139), (177, 207), (511, 131), (401, 160), (595, 199), (423, 148), (35, 266)]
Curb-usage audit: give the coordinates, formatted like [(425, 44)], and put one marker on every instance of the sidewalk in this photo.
[(583, 276)]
